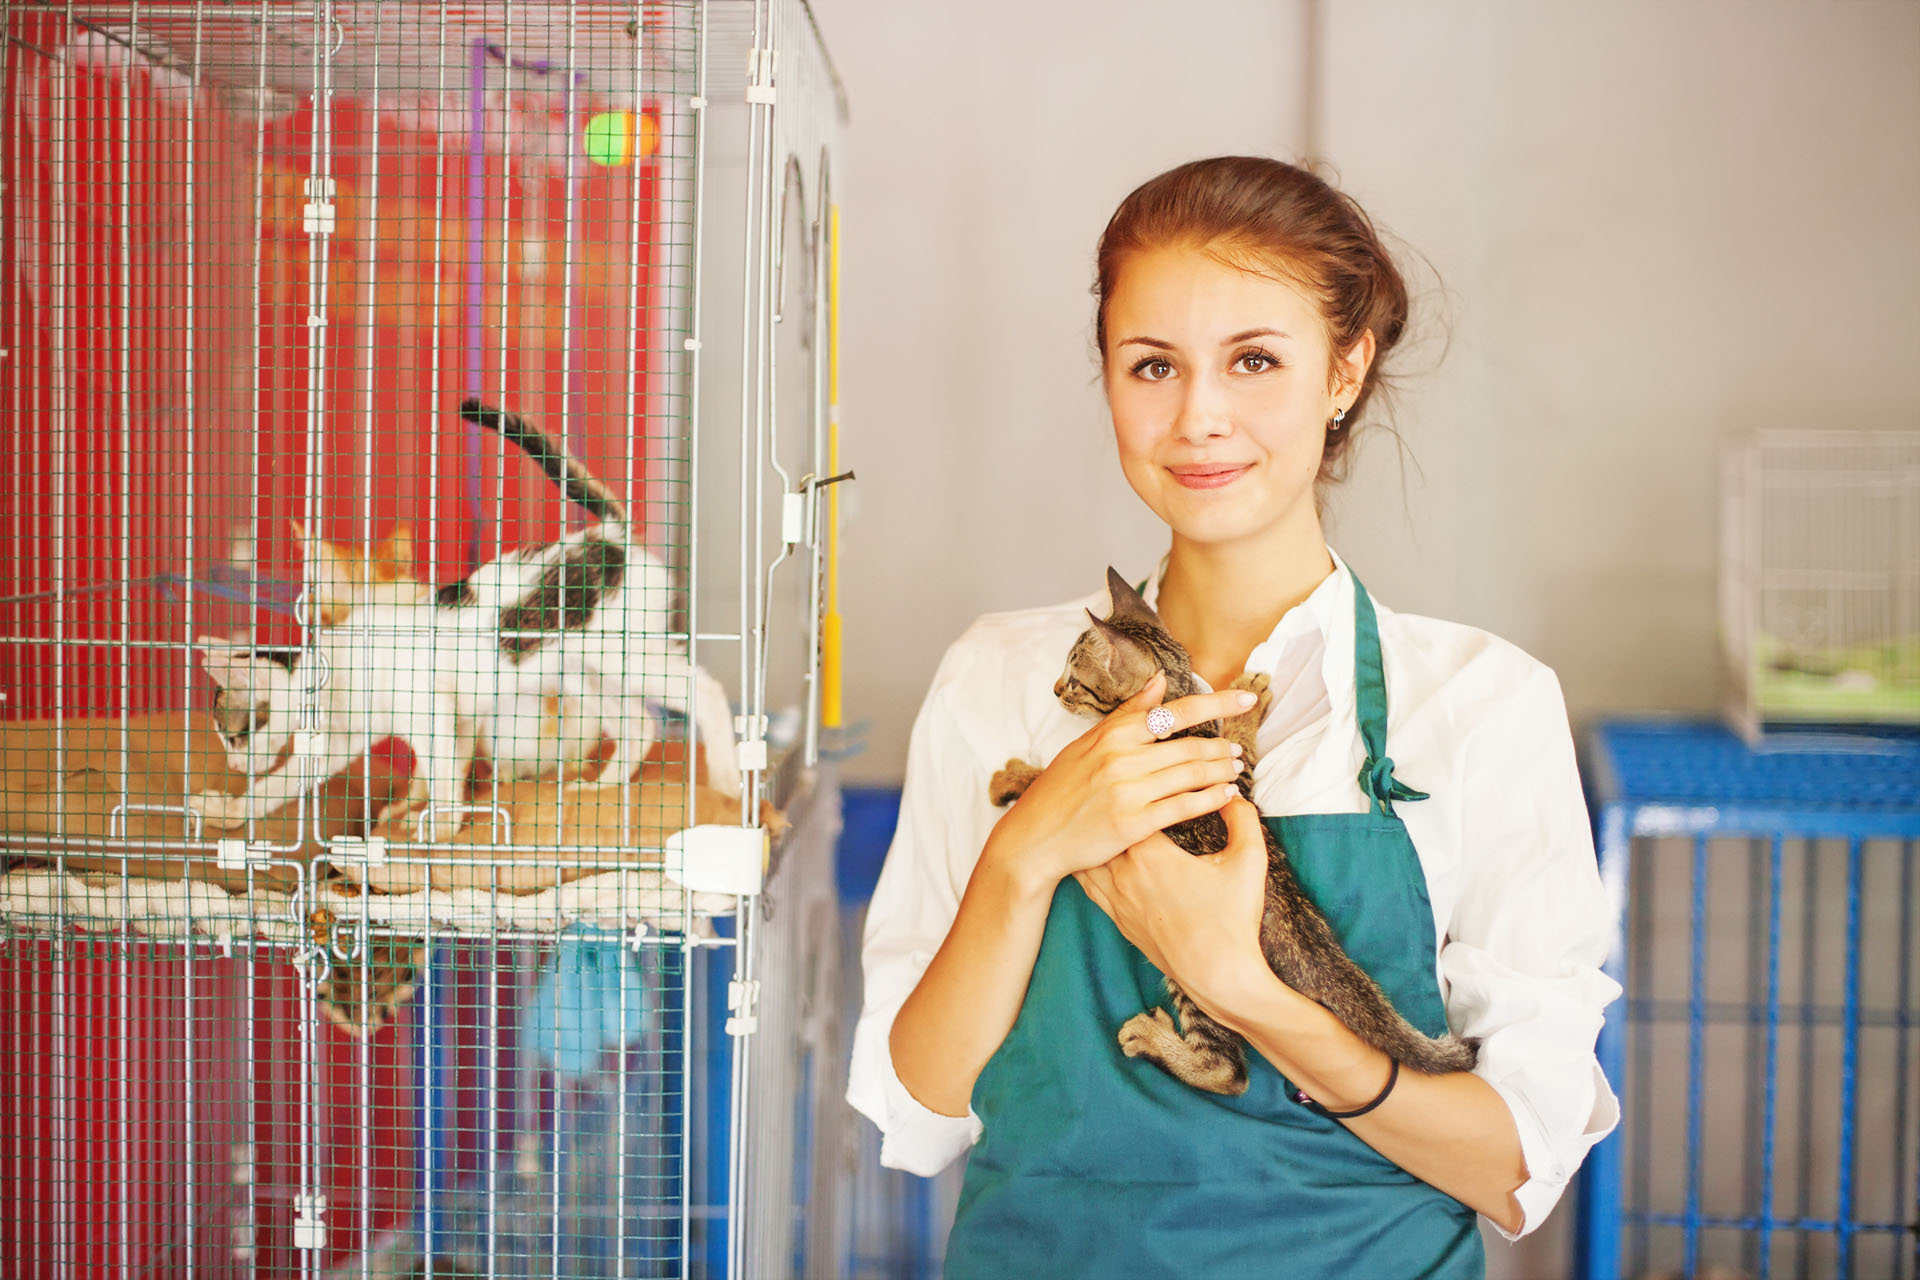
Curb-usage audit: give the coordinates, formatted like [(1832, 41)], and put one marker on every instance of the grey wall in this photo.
[(1641, 226)]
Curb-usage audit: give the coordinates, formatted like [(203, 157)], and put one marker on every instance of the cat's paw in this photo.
[(1149, 1035), (1011, 782), (219, 810), (1245, 727)]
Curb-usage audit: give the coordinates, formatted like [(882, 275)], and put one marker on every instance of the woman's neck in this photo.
[(1219, 600)]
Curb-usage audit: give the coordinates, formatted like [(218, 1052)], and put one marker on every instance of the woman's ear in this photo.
[(1350, 370)]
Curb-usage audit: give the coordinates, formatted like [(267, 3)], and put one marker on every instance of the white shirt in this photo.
[(1521, 922)]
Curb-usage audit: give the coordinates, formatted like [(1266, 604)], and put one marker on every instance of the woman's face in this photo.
[(1218, 380)]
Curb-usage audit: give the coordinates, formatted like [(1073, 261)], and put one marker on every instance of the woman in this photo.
[(1244, 312)]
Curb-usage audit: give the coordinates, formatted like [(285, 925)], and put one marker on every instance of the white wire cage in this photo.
[(255, 258), (1820, 578)]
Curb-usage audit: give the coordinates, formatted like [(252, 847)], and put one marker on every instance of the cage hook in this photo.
[(313, 966)]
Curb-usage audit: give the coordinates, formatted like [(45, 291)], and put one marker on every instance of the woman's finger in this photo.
[(1243, 823), (1198, 708), (1191, 775), (1149, 696), (1188, 804)]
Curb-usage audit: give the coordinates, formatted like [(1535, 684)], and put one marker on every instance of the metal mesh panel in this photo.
[(374, 767)]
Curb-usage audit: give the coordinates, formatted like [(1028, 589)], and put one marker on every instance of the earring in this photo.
[(1339, 420)]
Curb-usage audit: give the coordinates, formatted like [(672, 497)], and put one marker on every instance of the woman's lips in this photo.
[(1209, 477)]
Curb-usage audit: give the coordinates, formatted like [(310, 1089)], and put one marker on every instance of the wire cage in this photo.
[(1820, 577), (1765, 1052), (418, 552)]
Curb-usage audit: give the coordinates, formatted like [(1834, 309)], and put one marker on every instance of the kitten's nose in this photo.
[(1059, 686)]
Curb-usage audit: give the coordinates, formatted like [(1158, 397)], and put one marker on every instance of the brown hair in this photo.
[(1264, 214)]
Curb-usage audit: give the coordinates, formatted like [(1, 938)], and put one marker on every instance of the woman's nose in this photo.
[(1202, 413)]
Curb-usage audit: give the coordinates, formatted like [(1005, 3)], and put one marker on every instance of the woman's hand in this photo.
[(1115, 785), (1196, 918)]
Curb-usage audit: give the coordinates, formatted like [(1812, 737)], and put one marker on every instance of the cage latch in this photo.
[(317, 213), (750, 742), (231, 853), (743, 1002), (309, 1230), (760, 64), (716, 858), (372, 850)]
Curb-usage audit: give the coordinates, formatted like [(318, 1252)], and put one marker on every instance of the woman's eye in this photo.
[(1153, 369), (1255, 362)]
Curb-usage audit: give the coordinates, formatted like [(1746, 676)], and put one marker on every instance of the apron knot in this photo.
[(1377, 780)]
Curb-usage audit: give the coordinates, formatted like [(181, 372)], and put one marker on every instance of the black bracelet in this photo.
[(1393, 1078)]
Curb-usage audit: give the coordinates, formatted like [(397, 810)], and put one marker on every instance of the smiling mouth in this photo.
[(1209, 477)]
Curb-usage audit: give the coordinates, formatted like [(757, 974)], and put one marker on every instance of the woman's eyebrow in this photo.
[(1250, 334), (1162, 344)]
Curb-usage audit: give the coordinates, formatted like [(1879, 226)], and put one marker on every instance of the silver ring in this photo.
[(1160, 723)]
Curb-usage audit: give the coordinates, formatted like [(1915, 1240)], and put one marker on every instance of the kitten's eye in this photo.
[(1153, 369)]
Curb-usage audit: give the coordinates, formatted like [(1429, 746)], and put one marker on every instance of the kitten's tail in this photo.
[(579, 484)]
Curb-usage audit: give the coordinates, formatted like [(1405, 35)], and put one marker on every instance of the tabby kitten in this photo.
[(1110, 662)]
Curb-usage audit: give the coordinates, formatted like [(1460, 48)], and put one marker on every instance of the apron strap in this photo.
[(1370, 696)]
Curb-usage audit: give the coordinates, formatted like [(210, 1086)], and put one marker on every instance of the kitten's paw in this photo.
[(1011, 782), (219, 810), (1149, 1035)]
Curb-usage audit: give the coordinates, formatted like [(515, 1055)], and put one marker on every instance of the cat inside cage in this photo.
[(357, 695)]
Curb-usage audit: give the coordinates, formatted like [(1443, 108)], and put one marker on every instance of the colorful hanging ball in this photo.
[(611, 137)]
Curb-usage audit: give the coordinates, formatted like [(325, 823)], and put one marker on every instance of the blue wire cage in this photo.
[(1764, 1050)]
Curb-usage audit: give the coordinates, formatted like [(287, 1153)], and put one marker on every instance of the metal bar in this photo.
[(1809, 932), (123, 1084), (493, 1085), (369, 229), (190, 335), (1849, 1063), (1902, 1063), (1642, 1048), (433, 324), (1770, 1113), (1737, 1222), (62, 360), (1696, 1052)]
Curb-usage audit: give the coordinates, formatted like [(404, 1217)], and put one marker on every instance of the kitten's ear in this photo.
[(229, 663), (396, 550), (1128, 603), (1127, 663)]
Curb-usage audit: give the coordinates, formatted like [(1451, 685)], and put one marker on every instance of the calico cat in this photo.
[(1110, 662), (340, 576), (577, 624)]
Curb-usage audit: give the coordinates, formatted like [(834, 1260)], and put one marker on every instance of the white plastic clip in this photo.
[(793, 518), (691, 344), (317, 213), (231, 853), (371, 850), (760, 65), (718, 859), (743, 1000), (309, 1231), (750, 749), (696, 104), (307, 742)]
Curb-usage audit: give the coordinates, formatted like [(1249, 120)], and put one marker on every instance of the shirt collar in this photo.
[(1328, 610)]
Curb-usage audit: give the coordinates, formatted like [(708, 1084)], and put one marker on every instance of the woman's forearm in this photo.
[(971, 992), (1451, 1131)]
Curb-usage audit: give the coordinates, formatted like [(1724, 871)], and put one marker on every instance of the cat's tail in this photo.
[(579, 484)]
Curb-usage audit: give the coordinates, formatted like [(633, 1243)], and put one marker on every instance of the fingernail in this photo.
[(1236, 749), (1247, 699)]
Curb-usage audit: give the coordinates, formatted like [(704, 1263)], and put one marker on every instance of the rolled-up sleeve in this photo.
[(1528, 936), (944, 820)]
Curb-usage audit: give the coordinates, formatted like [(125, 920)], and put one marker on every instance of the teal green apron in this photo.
[(1096, 1165)]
